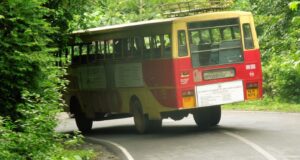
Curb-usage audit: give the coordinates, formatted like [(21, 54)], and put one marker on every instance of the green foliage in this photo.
[(267, 104), (74, 154), (105, 12), (282, 76), (109, 12), (278, 30), (294, 5), (70, 148), (31, 84)]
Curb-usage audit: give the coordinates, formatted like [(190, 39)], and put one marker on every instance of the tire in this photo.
[(207, 117), (215, 115), (141, 121), (83, 123), (155, 125), (202, 118)]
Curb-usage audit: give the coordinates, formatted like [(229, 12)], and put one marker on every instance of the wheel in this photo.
[(215, 115), (83, 123), (208, 116), (141, 121), (202, 118), (155, 125)]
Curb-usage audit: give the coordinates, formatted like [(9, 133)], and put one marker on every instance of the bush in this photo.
[(30, 82), (282, 78)]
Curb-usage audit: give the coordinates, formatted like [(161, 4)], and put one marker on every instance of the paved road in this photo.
[(240, 136)]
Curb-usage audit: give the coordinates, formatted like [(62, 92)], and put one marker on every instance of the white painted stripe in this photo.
[(256, 147), (121, 148)]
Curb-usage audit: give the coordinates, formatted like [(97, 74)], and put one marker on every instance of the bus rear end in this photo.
[(218, 60)]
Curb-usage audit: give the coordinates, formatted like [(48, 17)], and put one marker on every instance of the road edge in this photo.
[(117, 149)]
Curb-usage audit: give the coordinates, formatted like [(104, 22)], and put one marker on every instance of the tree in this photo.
[(278, 33), (31, 84)]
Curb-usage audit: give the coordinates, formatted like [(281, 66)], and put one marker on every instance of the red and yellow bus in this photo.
[(164, 69)]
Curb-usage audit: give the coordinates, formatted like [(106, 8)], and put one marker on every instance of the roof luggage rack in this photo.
[(181, 9)]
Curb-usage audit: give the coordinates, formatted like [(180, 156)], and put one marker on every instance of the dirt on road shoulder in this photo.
[(102, 153)]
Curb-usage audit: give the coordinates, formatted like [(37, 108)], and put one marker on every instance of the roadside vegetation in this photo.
[(278, 31), (34, 32), (266, 104)]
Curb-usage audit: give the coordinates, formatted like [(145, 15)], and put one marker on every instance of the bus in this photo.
[(167, 68)]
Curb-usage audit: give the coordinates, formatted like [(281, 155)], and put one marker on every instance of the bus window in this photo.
[(76, 51), (205, 37), (117, 47), (227, 34), (167, 46), (136, 47), (157, 46), (100, 52), (205, 46), (96, 48), (125, 47), (147, 47), (182, 50), (139, 46), (220, 42), (194, 37), (90, 55), (66, 58), (236, 32), (133, 47), (248, 36), (84, 53), (75, 54), (216, 35), (130, 48), (194, 40), (109, 49), (83, 49)]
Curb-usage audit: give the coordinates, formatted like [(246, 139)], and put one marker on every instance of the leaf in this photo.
[(294, 5), (77, 157)]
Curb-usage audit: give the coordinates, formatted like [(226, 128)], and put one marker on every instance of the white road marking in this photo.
[(121, 148), (256, 147)]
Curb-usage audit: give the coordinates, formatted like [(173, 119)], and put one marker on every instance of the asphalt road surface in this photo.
[(239, 136)]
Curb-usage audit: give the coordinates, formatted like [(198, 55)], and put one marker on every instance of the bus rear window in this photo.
[(248, 36), (215, 42)]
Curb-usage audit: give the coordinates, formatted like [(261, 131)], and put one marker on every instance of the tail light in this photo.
[(188, 99), (252, 85)]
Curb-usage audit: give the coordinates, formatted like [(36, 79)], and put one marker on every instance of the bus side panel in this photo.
[(159, 78), (183, 77), (159, 73)]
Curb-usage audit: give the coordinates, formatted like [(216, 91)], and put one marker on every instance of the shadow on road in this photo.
[(166, 131)]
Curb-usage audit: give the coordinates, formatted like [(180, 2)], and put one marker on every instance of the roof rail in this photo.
[(181, 9)]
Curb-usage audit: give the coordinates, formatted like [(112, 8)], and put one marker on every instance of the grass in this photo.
[(264, 105)]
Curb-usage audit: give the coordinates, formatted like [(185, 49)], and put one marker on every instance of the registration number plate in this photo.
[(252, 93), (219, 93)]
